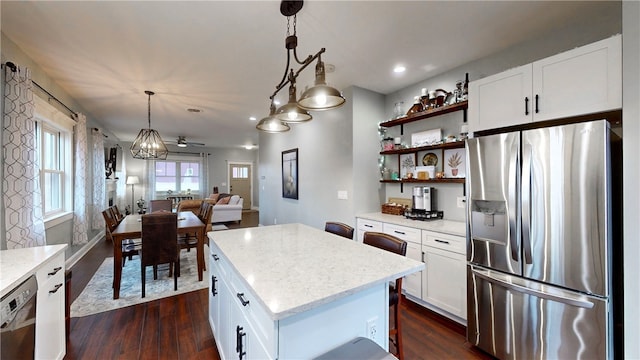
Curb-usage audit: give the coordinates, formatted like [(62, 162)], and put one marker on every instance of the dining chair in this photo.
[(159, 205), (130, 247), (338, 228), (159, 245), (393, 244), (118, 215), (190, 240)]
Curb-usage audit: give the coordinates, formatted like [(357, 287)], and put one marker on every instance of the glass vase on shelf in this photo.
[(397, 110)]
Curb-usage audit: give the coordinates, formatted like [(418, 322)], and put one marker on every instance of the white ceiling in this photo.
[(225, 57)]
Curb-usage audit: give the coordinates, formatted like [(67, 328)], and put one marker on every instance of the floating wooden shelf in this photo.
[(407, 181), (450, 145), (426, 114)]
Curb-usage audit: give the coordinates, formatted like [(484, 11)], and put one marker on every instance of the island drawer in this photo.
[(444, 241)]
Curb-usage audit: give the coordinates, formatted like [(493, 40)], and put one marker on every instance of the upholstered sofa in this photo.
[(226, 207)]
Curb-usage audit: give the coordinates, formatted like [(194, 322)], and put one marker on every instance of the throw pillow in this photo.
[(234, 200), (214, 197), (223, 201)]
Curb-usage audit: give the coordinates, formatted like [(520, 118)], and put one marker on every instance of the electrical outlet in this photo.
[(372, 328), (461, 201)]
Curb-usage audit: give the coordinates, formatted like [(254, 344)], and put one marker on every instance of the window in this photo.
[(54, 136), (240, 172), (178, 177)]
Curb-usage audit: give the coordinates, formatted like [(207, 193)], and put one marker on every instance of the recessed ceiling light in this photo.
[(192, 110), (399, 69), (276, 102), (248, 147), (252, 118)]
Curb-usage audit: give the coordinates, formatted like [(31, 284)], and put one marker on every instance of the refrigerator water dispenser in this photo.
[(489, 220)]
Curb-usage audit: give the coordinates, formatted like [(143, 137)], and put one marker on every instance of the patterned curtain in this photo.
[(80, 183), (21, 183), (99, 197)]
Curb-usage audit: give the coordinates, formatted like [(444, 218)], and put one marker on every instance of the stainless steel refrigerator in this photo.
[(540, 242)]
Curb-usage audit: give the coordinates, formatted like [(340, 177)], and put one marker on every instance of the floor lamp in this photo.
[(132, 180)]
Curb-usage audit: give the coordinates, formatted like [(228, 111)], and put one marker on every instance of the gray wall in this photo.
[(61, 233)]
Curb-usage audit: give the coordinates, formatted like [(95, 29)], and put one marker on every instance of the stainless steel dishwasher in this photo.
[(18, 319)]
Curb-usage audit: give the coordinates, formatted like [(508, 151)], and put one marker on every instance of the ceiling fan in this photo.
[(182, 142)]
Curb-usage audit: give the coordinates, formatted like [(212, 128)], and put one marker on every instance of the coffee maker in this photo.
[(423, 204), (423, 198)]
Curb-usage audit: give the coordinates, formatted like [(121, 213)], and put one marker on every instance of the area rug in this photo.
[(97, 296)]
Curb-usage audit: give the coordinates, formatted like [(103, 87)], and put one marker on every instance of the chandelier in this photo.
[(319, 97), (148, 145)]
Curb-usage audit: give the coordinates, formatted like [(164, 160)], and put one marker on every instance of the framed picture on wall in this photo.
[(290, 174), (454, 163), (407, 165)]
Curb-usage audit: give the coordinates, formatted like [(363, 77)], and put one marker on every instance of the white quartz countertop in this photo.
[(17, 265), (442, 226), (293, 268)]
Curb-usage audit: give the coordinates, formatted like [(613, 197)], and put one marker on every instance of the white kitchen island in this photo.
[(294, 292)]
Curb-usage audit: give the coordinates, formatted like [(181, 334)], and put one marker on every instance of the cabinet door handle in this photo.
[(243, 301), (55, 270), (537, 97), (215, 257), (442, 241), (55, 288), (423, 256), (239, 345), (214, 291), (399, 232), (526, 105), (369, 226)]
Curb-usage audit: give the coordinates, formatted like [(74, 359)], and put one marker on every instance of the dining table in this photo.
[(131, 228)]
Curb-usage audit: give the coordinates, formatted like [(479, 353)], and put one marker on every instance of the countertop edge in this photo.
[(49, 251)]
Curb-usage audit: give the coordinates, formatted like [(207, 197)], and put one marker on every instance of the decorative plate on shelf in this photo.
[(430, 159)]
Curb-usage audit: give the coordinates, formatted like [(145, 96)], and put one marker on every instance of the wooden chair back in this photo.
[(159, 244), (340, 229), (159, 205)]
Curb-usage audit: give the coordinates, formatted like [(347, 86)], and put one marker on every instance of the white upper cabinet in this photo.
[(581, 81)]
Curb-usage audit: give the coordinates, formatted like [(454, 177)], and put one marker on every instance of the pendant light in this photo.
[(319, 97), (148, 145), (272, 124)]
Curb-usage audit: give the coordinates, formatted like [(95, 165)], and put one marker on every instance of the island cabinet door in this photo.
[(245, 340), (50, 332)]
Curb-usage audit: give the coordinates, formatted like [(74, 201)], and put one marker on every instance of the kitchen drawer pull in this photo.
[(55, 270), (442, 241), (367, 225), (244, 301), (215, 257), (399, 232), (55, 289), (214, 291), (239, 345)]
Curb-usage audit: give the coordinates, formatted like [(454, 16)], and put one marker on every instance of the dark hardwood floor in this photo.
[(177, 327)]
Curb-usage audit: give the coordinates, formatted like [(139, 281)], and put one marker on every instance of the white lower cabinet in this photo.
[(50, 322), (364, 225), (442, 286), (412, 284)]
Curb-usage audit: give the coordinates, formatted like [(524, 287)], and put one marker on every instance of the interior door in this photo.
[(240, 182)]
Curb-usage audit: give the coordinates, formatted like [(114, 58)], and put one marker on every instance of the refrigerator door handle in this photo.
[(513, 162), (503, 280), (526, 202)]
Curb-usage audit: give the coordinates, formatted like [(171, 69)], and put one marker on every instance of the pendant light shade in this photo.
[(291, 112), (271, 124), (321, 96), (148, 145)]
